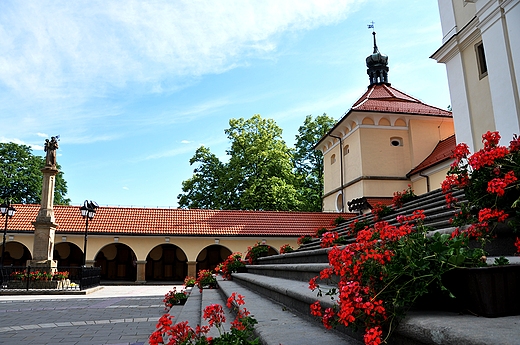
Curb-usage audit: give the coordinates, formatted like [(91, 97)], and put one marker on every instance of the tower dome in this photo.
[(377, 64)]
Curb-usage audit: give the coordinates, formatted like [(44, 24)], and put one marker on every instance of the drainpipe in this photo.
[(341, 162), (427, 181)]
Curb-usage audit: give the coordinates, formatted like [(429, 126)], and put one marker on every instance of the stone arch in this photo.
[(368, 121), (117, 261), (68, 254), (211, 256), (166, 262), (16, 254)]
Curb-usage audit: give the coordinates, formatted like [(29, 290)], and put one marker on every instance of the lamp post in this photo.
[(8, 211), (88, 210)]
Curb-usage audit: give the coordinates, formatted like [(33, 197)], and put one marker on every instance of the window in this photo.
[(339, 202), (396, 141), (481, 60), (345, 150), (332, 159)]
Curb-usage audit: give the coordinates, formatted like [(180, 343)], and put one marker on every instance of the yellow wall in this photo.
[(142, 245)]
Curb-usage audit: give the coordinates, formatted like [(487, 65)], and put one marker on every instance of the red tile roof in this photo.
[(181, 222), (442, 152), (386, 99)]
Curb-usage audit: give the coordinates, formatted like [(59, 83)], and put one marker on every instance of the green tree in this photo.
[(21, 178), (208, 188), (258, 176), (309, 162), (260, 165)]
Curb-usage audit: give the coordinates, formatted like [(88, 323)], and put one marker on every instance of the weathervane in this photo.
[(371, 25)]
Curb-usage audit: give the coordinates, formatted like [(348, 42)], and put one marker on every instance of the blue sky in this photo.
[(133, 88)]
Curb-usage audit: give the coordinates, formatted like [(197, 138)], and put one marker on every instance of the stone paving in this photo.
[(113, 315)]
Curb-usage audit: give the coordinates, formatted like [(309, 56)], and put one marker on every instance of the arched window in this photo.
[(332, 159), (339, 202), (346, 150)]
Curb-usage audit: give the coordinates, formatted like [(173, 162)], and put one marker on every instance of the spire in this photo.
[(377, 64)]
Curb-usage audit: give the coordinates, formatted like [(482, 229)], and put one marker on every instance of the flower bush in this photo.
[(384, 271), (231, 265), (379, 211), (174, 297), (61, 275), (205, 279), (489, 180), (401, 197), (286, 248), (189, 281), (240, 333), (319, 232), (304, 239), (38, 275), (258, 250), (338, 221)]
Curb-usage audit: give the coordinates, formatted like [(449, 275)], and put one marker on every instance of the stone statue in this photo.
[(50, 147)]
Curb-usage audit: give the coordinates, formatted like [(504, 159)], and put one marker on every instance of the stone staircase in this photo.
[(277, 294)]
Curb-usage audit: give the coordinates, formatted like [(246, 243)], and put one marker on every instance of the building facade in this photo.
[(379, 141), (481, 50), (154, 244)]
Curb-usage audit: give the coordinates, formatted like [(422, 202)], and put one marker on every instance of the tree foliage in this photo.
[(309, 162), (262, 173), (21, 178)]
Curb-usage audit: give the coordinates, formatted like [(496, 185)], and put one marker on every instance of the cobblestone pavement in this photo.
[(114, 315)]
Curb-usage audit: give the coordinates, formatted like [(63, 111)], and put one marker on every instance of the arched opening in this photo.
[(16, 254), (166, 262), (68, 255), (271, 250), (211, 256), (117, 262), (333, 159)]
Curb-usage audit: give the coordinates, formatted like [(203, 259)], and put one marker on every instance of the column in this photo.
[(141, 271)]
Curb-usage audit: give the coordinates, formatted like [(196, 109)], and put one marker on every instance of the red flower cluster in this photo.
[(487, 176), (183, 334), (498, 185)]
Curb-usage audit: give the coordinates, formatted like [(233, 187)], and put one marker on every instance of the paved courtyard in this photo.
[(114, 315)]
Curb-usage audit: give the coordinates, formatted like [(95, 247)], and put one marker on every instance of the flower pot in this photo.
[(182, 301), (242, 269), (487, 291), (210, 286)]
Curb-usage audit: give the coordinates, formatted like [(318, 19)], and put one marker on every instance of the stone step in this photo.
[(299, 272), (281, 323), (213, 296), (317, 255), (191, 310)]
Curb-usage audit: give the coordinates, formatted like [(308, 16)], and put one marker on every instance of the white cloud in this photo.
[(185, 142), (56, 49), (126, 188), (42, 135)]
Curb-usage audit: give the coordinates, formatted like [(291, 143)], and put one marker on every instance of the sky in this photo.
[(133, 88)]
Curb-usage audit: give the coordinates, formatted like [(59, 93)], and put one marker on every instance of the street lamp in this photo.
[(8, 211), (88, 210)]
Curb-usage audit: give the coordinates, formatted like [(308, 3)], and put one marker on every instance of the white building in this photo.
[(481, 50)]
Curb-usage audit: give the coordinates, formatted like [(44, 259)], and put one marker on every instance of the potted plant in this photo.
[(258, 250), (304, 240), (174, 297), (206, 280), (402, 197), (233, 264), (384, 271), (189, 281), (286, 248), (490, 183), (380, 211)]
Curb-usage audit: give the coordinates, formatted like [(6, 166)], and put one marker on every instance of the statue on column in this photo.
[(50, 147)]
